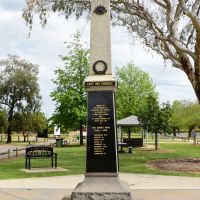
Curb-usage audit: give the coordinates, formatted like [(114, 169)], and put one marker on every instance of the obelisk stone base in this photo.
[(101, 188)]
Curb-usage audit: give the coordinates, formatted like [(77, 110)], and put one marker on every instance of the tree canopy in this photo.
[(169, 27), (156, 119), (134, 86), (185, 116), (3, 121), (19, 90), (29, 122), (70, 96)]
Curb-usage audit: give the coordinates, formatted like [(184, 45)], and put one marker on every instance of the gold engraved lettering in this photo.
[(101, 130)]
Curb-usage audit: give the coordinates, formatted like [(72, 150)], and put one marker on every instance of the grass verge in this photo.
[(73, 159)]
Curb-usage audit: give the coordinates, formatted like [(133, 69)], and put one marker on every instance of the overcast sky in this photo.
[(45, 45)]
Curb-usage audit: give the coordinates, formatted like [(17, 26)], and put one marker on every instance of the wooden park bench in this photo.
[(40, 153)]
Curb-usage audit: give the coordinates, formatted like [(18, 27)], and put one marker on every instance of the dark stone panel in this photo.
[(101, 136)]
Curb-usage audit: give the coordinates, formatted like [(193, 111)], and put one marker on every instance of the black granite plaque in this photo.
[(101, 133)]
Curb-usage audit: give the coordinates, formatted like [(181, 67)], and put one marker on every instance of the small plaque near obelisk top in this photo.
[(101, 179)]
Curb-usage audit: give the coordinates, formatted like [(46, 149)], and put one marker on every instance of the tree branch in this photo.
[(191, 15), (160, 4)]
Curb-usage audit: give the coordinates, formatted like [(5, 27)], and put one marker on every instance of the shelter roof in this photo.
[(129, 121)]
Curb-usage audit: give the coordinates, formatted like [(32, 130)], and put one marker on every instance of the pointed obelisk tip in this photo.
[(100, 44)]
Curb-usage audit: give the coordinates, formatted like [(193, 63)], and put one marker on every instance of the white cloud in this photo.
[(45, 45)]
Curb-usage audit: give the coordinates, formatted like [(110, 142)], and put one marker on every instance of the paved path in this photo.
[(5, 147), (136, 181), (143, 187)]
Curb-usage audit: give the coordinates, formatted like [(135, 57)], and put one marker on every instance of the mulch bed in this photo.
[(177, 164)]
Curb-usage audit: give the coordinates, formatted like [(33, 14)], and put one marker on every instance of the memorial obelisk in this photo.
[(101, 178)]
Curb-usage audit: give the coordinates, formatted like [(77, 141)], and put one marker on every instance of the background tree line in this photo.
[(20, 101), (136, 95)]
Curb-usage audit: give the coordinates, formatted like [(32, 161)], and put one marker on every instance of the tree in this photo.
[(3, 121), (150, 117), (19, 89), (186, 115), (22, 123), (166, 114), (169, 27), (29, 122), (191, 116), (155, 119), (177, 117), (39, 122), (134, 86), (70, 95)]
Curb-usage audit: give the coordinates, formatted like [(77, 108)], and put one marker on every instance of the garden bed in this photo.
[(177, 164)]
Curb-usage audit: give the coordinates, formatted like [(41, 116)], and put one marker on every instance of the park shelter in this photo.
[(129, 122)]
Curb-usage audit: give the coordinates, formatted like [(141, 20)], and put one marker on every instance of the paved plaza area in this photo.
[(143, 187), (4, 148)]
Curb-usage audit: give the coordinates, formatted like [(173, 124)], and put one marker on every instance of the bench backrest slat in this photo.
[(39, 152)]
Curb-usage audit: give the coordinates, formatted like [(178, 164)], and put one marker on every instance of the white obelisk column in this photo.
[(101, 177), (100, 44)]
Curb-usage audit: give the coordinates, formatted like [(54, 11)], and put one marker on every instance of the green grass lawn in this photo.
[(137, 162), (73, 159)]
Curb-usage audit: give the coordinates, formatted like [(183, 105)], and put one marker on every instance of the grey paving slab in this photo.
[(135, 181), (33, 194), (143, 187), (58, 194)]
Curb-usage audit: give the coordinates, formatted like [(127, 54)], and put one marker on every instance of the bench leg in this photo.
[(26, 163), (52, 162), (130, 150), (29, 163), (56, 161)]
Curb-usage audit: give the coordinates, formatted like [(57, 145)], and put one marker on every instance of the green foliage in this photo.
[(31, 122), (39, 122), (19, 90), (166, 114), (186, 115), (70, 96), (3, 121), (155, 119), (150, 118), (177, 116), (134, 86), (67, 8)]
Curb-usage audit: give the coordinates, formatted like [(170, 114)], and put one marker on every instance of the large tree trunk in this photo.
[(197, 90), (190, 131), (174, 131), (81, 133), (25, 135), (156, 141), (9, 129), (197, 65), (9, 132)]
